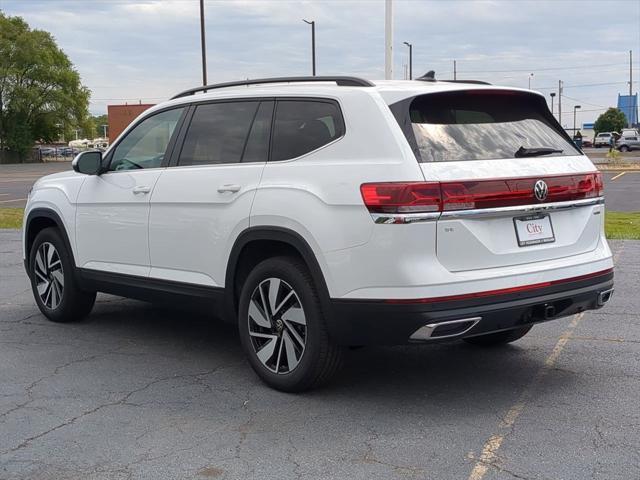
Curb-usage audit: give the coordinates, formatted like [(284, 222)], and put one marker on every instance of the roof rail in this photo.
[(341, 81)]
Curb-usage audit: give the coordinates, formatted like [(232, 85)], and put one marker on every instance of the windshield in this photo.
[(483, 125)]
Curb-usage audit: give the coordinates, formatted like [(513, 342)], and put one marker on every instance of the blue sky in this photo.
[(130, 50)]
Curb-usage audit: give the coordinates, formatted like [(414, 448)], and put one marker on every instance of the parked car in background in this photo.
[(68, 151), (628, 142), (603, 139), (47, 151)]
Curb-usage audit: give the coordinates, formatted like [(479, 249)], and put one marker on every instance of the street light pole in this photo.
[(410, 59), (203, 44), (553, 94), (575, 108), (531, 75), (313, 45), (104, 131)]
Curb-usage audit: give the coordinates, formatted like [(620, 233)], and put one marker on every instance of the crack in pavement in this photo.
[(121, 401)]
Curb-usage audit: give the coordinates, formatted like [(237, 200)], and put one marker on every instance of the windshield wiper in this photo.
[(535, 152)]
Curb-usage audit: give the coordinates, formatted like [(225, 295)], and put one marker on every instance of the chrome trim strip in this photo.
[(397, 218), (425, 332), (522, 209)]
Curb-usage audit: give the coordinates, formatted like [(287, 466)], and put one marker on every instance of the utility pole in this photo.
[(410, 59), (631, 90), (560, 102), (388, 39), (313, 45), (203, 45), (455, 72)]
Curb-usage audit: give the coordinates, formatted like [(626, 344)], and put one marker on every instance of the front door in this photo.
[(112, 217)]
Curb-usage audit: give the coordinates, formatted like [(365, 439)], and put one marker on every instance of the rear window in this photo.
[(482, 125), (302, 126)]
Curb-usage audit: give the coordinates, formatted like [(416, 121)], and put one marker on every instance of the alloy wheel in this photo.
[(49, 276), (277, 325)]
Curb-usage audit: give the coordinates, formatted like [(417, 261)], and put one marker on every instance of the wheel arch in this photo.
[(275, 240), (37, 220)]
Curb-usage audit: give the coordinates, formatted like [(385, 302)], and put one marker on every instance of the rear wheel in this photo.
[(53, 282), (282, 327), (499, 338), (624, 148)]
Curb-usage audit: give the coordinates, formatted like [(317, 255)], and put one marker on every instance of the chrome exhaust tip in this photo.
[(604, 296), (450, 329)]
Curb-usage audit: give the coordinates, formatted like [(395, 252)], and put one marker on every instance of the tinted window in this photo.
[(303, 126), (145, 145), (478, 125), (257, 147), (218, 133)]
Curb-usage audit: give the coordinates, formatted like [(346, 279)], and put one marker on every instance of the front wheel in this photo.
[(624, 148), (499, 338), (53, 282), (282, 327)]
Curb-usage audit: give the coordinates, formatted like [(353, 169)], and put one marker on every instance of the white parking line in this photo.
[(618, 176)]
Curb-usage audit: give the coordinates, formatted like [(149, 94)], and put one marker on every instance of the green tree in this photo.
[(613, 120), (41, 96), (98, 121)]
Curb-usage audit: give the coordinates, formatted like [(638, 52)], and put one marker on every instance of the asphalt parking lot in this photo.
[(622, 191), (137, 391)]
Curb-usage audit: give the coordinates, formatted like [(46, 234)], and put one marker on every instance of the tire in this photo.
[(624, 148), (290, 348), (53, 281), (499, 338)]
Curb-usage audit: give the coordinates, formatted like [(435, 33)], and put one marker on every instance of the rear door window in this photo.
[(482, 125), (219, 132), (302, 126)]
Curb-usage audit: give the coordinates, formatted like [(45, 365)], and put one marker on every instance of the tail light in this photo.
[(401, 197), (419, 197)]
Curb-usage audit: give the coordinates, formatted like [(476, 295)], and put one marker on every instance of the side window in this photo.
[(302, 126), (145, 145), (218, 133)]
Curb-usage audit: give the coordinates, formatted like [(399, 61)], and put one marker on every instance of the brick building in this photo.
[(120, 116)]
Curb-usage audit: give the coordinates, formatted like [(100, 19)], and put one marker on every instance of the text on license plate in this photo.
[(534, 230)]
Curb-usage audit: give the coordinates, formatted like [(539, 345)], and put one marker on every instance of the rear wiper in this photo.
[(535, 152)]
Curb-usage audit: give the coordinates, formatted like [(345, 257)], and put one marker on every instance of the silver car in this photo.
[(627, 143)]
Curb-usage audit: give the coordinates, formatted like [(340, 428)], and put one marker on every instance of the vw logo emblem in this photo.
[(540, 190)]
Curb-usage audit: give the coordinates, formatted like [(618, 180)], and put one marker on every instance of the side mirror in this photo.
[(89, 162)]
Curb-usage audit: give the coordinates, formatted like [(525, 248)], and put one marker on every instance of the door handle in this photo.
[(141, 189), (229, 188)]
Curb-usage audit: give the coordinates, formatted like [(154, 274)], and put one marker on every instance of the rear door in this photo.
[(203, 200), (514, 188)]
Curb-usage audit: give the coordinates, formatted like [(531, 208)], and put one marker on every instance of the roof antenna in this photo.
[(430, 76)]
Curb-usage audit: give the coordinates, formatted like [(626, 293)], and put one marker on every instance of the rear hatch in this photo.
[(514, 188)]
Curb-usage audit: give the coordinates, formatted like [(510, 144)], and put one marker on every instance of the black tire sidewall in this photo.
[(292, 272), (66, 309)]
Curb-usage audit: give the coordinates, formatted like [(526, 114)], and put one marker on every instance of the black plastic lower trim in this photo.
[(368, 322), (150, 289)]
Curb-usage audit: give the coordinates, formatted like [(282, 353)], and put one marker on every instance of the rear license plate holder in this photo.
[(534, 230)]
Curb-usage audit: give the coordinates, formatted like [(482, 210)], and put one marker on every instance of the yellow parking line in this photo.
[(618, 176), (492, 445)]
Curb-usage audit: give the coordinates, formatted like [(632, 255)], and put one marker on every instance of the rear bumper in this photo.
[(378, 322)]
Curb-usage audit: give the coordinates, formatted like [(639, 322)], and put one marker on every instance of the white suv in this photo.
[(325, 212)]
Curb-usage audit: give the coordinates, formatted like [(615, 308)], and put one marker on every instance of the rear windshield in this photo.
[(482, 125)]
